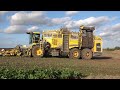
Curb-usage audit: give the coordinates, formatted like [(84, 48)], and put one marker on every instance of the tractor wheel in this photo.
[(86, 54), (74, 53), (37, 52)]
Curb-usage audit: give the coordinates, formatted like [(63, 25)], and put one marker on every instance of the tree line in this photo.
[(112, 49)]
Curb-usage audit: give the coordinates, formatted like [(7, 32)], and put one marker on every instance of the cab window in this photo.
[(54, 35), (59, 35), (47, 35), (74, 36)]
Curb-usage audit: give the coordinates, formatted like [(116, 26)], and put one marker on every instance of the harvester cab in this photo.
[(34, 38), (35, 48)]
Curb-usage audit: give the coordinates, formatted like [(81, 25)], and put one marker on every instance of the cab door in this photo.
[(97, 46)]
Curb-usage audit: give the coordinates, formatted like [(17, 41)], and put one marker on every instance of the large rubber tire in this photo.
[(86, 54), (37, 52), (74, 53)]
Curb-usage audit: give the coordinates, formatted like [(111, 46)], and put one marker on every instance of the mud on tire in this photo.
[(74, 53), (86, 54), (34, 51)]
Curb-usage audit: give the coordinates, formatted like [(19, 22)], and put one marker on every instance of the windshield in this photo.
[(34, 38), (30, 38)]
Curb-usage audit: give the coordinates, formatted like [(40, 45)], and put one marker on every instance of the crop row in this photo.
[(6, 73)]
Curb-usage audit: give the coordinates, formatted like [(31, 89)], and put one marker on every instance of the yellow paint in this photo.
[(73, 42), (39, 52), (36, 32), (87, 54), (75, 53), (97, 39)]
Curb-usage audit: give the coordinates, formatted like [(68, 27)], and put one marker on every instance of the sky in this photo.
[(15, 24)]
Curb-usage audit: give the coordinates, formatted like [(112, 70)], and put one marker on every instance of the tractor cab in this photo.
[(34, 37)]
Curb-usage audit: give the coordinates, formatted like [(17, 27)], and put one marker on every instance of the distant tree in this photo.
[(110, 49), (117, 48)]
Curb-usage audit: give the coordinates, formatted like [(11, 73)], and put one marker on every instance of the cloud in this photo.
[(91, 21), (111, 30), (1, 31), (16, 29), (35, 18), (115, 27), (60, 20), (20, 29), (1, 14), (111, 35), (70, 13), (39, 18), (29, 18), (34, 28)]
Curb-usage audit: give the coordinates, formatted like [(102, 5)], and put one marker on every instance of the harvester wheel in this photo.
[(86, 54), (37, 52), (74, 53)]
